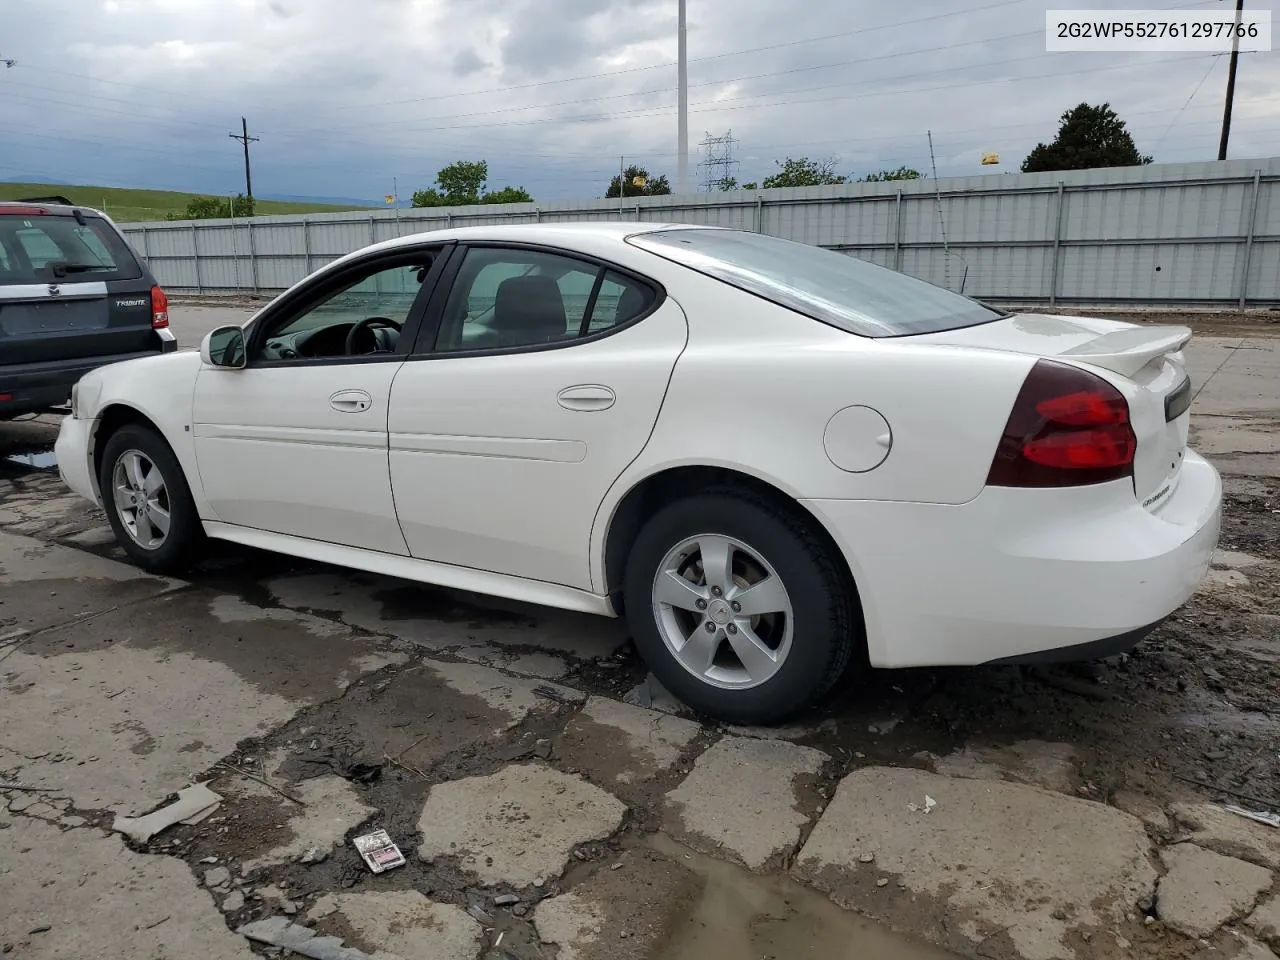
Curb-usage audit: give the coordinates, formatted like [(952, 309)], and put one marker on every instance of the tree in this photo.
[(725, 184), (804, 173), (1088, 137), (464, 183), (902, 173), (507, 195), (750, 186), (631, 186), (215, 208)]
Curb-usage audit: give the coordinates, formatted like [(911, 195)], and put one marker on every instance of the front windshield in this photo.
[(837, 289)]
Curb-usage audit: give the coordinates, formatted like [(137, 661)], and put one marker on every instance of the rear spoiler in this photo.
[(63, 201), (1128, 351)]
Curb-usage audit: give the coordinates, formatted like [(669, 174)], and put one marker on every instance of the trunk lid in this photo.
[(70, 288), (1144, 362)]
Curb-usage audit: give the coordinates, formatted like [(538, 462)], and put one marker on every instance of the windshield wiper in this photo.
[(62, 269)]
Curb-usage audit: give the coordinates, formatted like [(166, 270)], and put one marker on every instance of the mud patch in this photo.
[(740, 914)]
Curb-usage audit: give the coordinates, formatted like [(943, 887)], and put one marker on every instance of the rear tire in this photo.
[(147, 500), (796, 635)]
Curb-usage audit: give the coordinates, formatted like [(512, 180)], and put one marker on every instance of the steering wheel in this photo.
[(366, 324)]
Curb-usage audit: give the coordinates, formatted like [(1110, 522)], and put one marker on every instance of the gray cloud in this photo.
[(347, 94), (466, 62)]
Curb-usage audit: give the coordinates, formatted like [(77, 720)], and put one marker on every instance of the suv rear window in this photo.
[(48, 249), (843, 291)]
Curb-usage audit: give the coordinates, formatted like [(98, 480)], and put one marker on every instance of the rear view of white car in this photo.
[(772, 459)]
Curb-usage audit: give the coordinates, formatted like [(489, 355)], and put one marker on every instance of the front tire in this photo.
[(738, 608), (147, 500)]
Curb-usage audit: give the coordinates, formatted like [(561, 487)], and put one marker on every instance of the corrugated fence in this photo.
[(1203, 233)]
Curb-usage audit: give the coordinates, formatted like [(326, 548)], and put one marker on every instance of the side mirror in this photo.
[(223, 347)]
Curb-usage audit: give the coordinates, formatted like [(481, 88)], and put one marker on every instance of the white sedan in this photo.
[(773, 459)]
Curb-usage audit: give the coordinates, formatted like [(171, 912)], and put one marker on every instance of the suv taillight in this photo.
[(1068, 427), (159, 309)]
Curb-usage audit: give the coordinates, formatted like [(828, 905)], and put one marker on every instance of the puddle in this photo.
[(41, 460), (743, 915)]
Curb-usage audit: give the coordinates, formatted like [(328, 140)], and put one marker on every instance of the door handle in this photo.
[(587, 397), (351, 401)]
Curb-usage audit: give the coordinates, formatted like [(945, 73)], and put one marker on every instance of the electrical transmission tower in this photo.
[(719, 166)]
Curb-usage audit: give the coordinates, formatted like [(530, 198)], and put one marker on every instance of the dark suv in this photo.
[(73, 296)]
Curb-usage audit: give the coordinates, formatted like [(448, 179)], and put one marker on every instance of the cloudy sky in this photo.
[(348, 94)]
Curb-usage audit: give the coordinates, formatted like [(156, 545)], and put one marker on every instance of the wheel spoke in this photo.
[(676, 590), (123, 497), (158, 517), (133, 471), (143, 523), (757, 659), (767, 596), (154, 482), (700, 648), (717, 562)]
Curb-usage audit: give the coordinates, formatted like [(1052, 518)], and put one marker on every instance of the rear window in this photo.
[(839, 290), (56, 249)]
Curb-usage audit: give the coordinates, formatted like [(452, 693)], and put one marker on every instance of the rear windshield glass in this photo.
[(55, 249), (839, 290)]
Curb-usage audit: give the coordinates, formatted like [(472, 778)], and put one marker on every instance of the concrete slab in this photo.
[(990, 859), (1203, 889), (331, 807), (516, 697), (96, 898), (742, 800), (120, 712), (1219, 830), (1265, 921), (624, 911), (45, 584), (1249, 949), (1041, 764), (546, 666), (1235, 417), (620, 743), (518, 826), (400, 922), (1243, 381)]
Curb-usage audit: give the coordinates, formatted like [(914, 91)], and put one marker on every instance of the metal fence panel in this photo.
[(1205, 233)]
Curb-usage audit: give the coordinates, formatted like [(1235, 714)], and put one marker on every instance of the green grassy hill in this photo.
[(131, 206)]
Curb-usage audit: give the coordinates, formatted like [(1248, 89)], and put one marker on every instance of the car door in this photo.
[(543, 383), (295, 442)]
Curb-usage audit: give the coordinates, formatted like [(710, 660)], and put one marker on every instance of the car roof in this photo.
[(533, 232)]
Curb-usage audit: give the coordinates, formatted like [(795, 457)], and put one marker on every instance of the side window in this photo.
[(518, 298), (619, 301), (379, 300)]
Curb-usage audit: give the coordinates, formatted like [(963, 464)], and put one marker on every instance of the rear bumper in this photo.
[(1025, 575), (32, 387)]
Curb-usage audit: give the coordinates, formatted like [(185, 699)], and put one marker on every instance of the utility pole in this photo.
[(682, 147), (1231, 83), (244, 138)]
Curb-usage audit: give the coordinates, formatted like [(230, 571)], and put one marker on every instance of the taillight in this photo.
[(1068, 427), (159, 308)]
